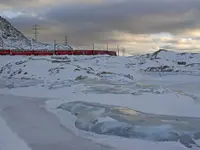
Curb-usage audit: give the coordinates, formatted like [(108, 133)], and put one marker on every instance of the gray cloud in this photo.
[(131, 16), (22, 22), (87, 23), (128, 14)]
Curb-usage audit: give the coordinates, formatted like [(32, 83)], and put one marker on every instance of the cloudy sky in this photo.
[(136, 25)]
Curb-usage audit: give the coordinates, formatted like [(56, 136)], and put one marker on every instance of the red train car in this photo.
[(83, 52), (99, 52), (103, 52), (64, 52), (57, 52), (28, 52), (4, 52), (78, 52), (112, 53), (95, 52), (87, 52), (43, 52), (21, 52)]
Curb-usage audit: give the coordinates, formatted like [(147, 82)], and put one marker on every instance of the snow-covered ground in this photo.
[(103, 102), (9, 140)]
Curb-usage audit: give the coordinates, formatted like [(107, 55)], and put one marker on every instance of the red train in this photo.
[(56, 52)]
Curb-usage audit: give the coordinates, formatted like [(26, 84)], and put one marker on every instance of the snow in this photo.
[(9, 140), (118, 142), (88, 94), (41, 130)]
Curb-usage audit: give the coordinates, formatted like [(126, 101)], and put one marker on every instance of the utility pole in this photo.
[(118, 49), (2, 44), (35, 28), (123, 51), (66, 41), (93, 46), (107, 46), (31, 44), (54, 44)]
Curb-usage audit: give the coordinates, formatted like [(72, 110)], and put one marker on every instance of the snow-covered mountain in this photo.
[(11, 38)]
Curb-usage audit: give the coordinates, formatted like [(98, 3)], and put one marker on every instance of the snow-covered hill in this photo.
[(162, 61), (148, 101), (11, 38)]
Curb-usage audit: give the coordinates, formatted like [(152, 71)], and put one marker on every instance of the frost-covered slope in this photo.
[(11, 38)]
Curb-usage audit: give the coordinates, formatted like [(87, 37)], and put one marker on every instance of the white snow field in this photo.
[(149, 101)]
